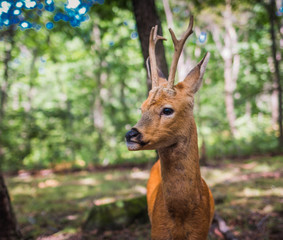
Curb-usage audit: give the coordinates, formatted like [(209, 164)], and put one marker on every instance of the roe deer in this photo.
[(180, 205)]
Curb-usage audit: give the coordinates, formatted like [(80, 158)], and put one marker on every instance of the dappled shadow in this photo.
[(46, 204), (248, 196), (252, 205)]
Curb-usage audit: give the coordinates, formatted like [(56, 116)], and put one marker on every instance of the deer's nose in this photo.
[(133, 133)]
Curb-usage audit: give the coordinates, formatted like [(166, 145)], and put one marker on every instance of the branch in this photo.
[(223, 227)]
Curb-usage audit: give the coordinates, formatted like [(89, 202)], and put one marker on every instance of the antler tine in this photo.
[(153, 39), (178, 46)]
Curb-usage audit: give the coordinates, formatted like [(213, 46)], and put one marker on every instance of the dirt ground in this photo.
[(248, 196)]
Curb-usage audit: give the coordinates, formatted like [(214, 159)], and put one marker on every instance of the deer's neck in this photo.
[(181, 179)]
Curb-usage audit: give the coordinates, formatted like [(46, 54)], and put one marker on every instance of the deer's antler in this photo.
[(178, 46), (153, 38)]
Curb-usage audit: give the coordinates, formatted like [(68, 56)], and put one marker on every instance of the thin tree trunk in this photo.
[(231, 64), (229, 91), (9, 43), (69, 121), (274, 105), (231, 59), (28, 107), (277, 88), (97, 114), (100, 78), (248, 109), (123, 99), (146, 17), (31, 80)]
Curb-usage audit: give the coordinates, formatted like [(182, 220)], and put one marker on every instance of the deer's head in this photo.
[(167, 113)]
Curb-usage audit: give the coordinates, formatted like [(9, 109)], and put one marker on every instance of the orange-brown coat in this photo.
[(180, 205)]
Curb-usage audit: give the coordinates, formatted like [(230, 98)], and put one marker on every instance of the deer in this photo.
[(180, 204)]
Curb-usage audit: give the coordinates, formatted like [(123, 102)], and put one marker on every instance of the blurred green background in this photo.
[(69, 94)]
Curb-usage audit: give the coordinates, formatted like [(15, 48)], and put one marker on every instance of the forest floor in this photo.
[(248, 195)]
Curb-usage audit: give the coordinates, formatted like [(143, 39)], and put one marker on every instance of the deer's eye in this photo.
[(167, 111)]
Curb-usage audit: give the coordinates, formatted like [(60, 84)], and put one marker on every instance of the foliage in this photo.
[(54, 122), (21, 13), (257, 133), (74, 92), (74, 88)]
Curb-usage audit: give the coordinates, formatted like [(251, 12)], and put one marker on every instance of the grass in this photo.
[(51, 203), (248, 195)]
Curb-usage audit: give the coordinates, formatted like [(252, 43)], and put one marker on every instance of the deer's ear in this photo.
[(160, 74), (194, 79)]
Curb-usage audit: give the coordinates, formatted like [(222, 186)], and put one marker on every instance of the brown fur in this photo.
[(180, 205)]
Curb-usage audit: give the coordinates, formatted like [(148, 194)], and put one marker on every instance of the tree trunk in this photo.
[(277, 88), (8, 225), (146, 17), (29, 119), (231, 58), (100, 78), (229, 99), (123, 99), (231, 64), (274, 106), (68, 121), (9, 43)]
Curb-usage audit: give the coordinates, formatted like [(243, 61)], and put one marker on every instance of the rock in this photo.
[(116, 215)]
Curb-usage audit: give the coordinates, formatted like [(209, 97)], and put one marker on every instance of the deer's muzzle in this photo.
[(134, 139)]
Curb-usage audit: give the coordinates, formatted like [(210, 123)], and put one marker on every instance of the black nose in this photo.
[(131, 134)]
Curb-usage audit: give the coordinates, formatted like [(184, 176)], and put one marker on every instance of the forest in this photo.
[(72, 80)]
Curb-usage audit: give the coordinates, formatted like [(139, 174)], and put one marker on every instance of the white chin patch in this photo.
[(133, 146)]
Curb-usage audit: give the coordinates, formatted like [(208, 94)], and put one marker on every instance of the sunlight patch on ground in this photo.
[(23, 190), (88, 181), (109, 177), (104, 200), (263, 168), (215, 176), (48, 183), (116, 175), (138, 174), (268, 209), (140, 189), (60, 201), (255, 192), (250, 165), (72, 217), (62, 235)]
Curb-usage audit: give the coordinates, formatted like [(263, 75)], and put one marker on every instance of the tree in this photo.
[(146, 17), (229, 53), (9, 229), (277, 87)]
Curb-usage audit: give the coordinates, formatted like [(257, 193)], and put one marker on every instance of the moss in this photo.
[(116, 215)]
